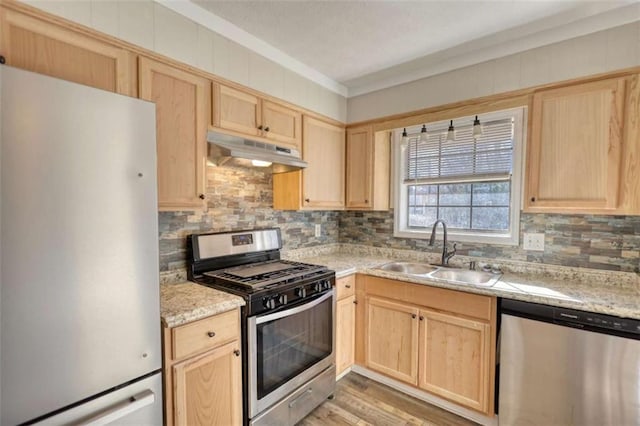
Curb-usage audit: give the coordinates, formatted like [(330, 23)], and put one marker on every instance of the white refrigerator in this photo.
[(79, 294)]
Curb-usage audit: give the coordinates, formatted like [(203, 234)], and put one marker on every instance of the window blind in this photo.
[(489, 157)]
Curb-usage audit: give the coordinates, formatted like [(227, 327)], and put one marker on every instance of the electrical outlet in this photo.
[(318, 230), (533, 242)]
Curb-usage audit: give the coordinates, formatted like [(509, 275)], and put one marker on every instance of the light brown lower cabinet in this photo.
[(204, 388), (345, 333), (345, 323), (392, 339), (453, 358), (203, 372), (445, 345)]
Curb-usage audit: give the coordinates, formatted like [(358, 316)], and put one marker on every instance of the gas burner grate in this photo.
[(276, 272)]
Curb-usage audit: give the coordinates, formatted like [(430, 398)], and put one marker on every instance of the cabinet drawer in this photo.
[(205, 334), (345, 287)]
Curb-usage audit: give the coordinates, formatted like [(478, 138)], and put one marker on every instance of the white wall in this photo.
[(599, 52), (157, 28)]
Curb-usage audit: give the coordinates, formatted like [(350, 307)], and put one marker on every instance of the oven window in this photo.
[(288, 346)]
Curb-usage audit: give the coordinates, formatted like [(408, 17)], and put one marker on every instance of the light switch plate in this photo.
[(318, 230), (533, 242)]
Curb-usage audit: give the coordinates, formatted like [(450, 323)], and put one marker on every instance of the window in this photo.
[(472, 184)]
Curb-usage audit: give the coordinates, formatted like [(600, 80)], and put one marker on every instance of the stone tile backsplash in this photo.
[(600, 242), (242, 198)]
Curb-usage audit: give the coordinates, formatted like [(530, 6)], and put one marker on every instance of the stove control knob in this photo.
[(282, 299), (327, 284), (301, 292), (269, 302), (317, 287)]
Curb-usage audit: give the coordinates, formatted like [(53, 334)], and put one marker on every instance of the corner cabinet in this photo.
[(320, 186), (438, 340), (584, 151), (246, 114), (46, 48), (202, 368), (368, 168), (182, 110)]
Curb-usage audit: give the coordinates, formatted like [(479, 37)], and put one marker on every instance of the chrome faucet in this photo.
[(446, 254)]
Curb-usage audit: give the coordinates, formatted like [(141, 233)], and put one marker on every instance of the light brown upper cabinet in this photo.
[(49, 49), (368, 157), (320, 186), (182, 111), (245, 114), (584, 151)]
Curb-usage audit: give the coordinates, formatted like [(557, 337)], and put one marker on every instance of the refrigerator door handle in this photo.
[(135, 403)]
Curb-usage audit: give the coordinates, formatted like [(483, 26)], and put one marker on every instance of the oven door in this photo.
[(289, 348)]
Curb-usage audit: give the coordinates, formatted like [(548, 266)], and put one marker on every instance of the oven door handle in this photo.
[(296, 310)]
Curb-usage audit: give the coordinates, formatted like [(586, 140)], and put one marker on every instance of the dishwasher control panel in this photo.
[(573, 318), (597, 320)]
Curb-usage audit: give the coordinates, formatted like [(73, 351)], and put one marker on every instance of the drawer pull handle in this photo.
[(347, 286), (211, 333)]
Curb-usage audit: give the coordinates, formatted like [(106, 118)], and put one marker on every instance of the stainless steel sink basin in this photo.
[(408, 268), (466, 276)]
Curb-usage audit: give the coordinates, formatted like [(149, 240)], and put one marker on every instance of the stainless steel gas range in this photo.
[(287, 323)]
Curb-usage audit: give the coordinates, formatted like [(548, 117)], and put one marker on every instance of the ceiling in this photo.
[(366, 45)]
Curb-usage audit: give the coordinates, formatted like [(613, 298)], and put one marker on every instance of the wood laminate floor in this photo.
[(362, 401)]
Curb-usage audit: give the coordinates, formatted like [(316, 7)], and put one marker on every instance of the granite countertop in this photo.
[(185, 302), (613, 293)]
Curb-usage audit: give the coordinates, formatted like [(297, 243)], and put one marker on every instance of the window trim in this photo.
[(512, 238)]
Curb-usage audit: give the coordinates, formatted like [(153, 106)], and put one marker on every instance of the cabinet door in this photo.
[(281, 124), (324, 149), (46, 48), (574, 155), (391, 345), (236, 110), (455, 359), (182, 109), (345, 333), (208, 388), (359, 167)]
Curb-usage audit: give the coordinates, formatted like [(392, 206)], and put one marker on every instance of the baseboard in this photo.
[(427, 397), (344, 373)]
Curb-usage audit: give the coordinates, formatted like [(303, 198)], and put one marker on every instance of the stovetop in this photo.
[(271, 273), (248, 264)]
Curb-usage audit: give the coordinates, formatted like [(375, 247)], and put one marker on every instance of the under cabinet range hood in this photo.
[(223, 147)]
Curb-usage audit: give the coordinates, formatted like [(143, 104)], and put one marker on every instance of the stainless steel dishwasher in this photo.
[(566, 367)]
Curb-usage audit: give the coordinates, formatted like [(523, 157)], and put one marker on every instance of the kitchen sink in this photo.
[(408, 268), (466, 276), (453, 275)]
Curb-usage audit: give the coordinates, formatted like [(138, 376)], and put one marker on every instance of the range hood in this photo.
[(223, 147)]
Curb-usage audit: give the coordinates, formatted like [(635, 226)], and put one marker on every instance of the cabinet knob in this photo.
[(355, 302), (2, 60), (266, 129), (236, 352), (347, 286), (260, 127), (211, 333), (306, 200), (366, 201), (201, 196), (533, 199), (413, 316), (421, 318)]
